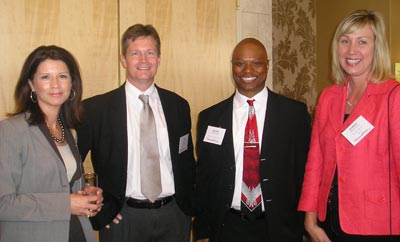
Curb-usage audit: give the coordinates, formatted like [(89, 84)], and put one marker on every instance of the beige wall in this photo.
[(254, 19), (89, 29), (330, 13), (395, 30), (287, 29), (197, 38)]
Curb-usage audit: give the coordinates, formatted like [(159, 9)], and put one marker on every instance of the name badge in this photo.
[(214, 135), (357, 130), (183, 143)]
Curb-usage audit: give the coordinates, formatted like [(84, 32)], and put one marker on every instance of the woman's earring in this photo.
[(72, 95), (33, 97)]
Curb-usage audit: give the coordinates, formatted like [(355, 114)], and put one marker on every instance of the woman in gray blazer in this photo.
[(41, 194)]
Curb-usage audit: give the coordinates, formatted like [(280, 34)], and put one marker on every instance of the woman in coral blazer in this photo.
[(351, 186)]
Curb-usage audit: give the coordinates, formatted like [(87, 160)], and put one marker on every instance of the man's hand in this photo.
[(116, 220)]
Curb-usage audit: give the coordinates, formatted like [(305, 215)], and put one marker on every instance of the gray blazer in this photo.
[(34, 189)]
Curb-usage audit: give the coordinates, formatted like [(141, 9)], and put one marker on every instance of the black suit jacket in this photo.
[(284, 148), (104, 133)]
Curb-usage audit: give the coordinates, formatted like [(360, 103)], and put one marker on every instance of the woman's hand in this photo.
[(316, 233), (85, 204), (92, 190)]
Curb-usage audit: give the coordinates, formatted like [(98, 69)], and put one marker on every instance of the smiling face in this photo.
[(356, 53), (52, 83), (141, 62), (250, 67)]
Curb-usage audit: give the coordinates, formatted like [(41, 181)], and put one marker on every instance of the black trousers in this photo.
[(75, 230), (236, 229), (335, 233), (332, 228), (165, 224)]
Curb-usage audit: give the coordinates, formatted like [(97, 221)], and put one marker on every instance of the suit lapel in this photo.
[(224, 120), (271, 125), (74, 149), (117, 115), (337, 111), (45, 131), (227, 119), (366, 106), (47, 141), (72, 145), (170, 114)]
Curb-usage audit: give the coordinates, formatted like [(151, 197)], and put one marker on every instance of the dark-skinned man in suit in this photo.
[(242, 197)]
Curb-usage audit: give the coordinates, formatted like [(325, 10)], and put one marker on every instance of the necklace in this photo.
[(347, 96), (349, 103), (62, 132)]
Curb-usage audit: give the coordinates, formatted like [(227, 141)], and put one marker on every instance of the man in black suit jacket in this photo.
[(112, 133), (284, 131)]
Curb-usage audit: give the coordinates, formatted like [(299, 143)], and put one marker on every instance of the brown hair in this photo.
[(71, 110), (140, 30)]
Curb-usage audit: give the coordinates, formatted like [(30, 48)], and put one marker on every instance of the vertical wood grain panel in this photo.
[(329, 14), (395, 31), (88, 29), (197, 39)]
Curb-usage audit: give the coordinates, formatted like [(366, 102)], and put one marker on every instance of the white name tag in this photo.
[(357, 130), (214, 135), (183, 143)]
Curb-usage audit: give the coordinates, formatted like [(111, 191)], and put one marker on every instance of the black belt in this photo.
[(244, 217), (136, 203)]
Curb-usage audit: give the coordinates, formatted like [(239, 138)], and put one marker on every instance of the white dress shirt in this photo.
[(133, 109)]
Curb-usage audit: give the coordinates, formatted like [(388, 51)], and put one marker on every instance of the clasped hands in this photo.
[(87, 202)]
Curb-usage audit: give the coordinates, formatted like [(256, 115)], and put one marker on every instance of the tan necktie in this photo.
[(150, 176)]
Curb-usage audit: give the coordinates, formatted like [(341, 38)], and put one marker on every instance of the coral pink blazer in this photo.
[(369, 182)]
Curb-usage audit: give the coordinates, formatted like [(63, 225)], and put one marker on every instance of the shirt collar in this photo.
[(240, 100), (132, 91)]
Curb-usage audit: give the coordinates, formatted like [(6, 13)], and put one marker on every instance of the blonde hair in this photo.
[(380, 69)]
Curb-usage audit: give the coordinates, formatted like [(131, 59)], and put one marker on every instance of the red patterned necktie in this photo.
[(251, 188)]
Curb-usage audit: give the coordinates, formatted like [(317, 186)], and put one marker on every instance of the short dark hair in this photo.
[(71, 110), (137, 31)]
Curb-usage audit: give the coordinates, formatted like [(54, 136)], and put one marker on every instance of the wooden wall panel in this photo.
[(197, 39), (329, 14), (88, 29), (394, 31)]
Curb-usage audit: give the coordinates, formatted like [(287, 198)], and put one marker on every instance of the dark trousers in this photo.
[(165, 224), (332, 228), (336, 234), (236, 229), (76, 233)]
